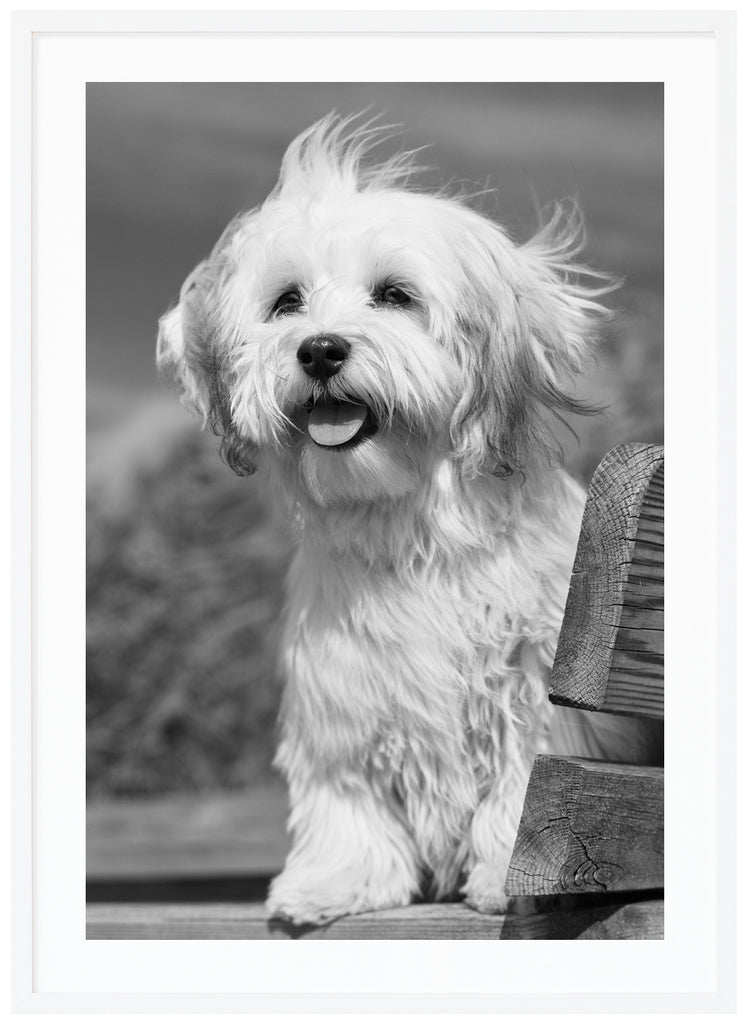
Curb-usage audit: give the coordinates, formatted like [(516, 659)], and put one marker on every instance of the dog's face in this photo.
[(357, 333)]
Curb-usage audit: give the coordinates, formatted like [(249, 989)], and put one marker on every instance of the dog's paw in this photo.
[(319, 901), (483, 889), (309, 905)]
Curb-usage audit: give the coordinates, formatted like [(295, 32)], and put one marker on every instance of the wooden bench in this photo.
[(593, 826), (590, 842)]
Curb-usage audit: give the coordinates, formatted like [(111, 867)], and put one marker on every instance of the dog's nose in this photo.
[(323, 355)]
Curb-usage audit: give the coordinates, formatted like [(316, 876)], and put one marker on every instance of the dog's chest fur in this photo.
[(420, 646)]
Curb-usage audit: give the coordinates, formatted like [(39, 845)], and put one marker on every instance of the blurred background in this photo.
[(185, 560)]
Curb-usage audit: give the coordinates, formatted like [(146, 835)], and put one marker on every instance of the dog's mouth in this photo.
[(339, 425)]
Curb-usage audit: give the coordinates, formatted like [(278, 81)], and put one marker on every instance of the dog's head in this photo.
[(357, 332)]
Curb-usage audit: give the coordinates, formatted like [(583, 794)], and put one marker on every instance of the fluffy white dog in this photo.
[(390, 359)]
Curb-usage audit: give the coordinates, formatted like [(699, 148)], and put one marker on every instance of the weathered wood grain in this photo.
[(640, 920), (643, 920), (589, 826), (179, 837), (610, 654)]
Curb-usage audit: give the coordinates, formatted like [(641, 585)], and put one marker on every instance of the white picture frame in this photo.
[(55, 969)]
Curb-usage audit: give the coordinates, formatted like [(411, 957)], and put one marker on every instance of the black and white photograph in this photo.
[(375, 510)]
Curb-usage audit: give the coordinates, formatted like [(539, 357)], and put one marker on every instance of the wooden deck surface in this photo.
[(639, 920)]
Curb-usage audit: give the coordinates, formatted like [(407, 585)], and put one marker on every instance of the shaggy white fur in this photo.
[(435, 544)]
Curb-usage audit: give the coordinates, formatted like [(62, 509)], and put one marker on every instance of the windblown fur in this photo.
[(434, 550)]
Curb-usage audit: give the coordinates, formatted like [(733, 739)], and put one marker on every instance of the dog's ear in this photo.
[(528, 328), (186, 349), (181, 348)]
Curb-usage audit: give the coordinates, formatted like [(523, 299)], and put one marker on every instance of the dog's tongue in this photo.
[(334, 423)]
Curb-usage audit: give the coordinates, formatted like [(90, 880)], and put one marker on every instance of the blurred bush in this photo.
[(185, 567)]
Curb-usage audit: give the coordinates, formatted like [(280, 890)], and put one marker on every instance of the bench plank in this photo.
[(610, 654), (589, 826)]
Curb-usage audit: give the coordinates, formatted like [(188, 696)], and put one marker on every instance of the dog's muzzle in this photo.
[(332, 423)]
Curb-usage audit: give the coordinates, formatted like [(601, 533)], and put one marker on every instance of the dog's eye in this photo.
[(288, 302), (391, 295)]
